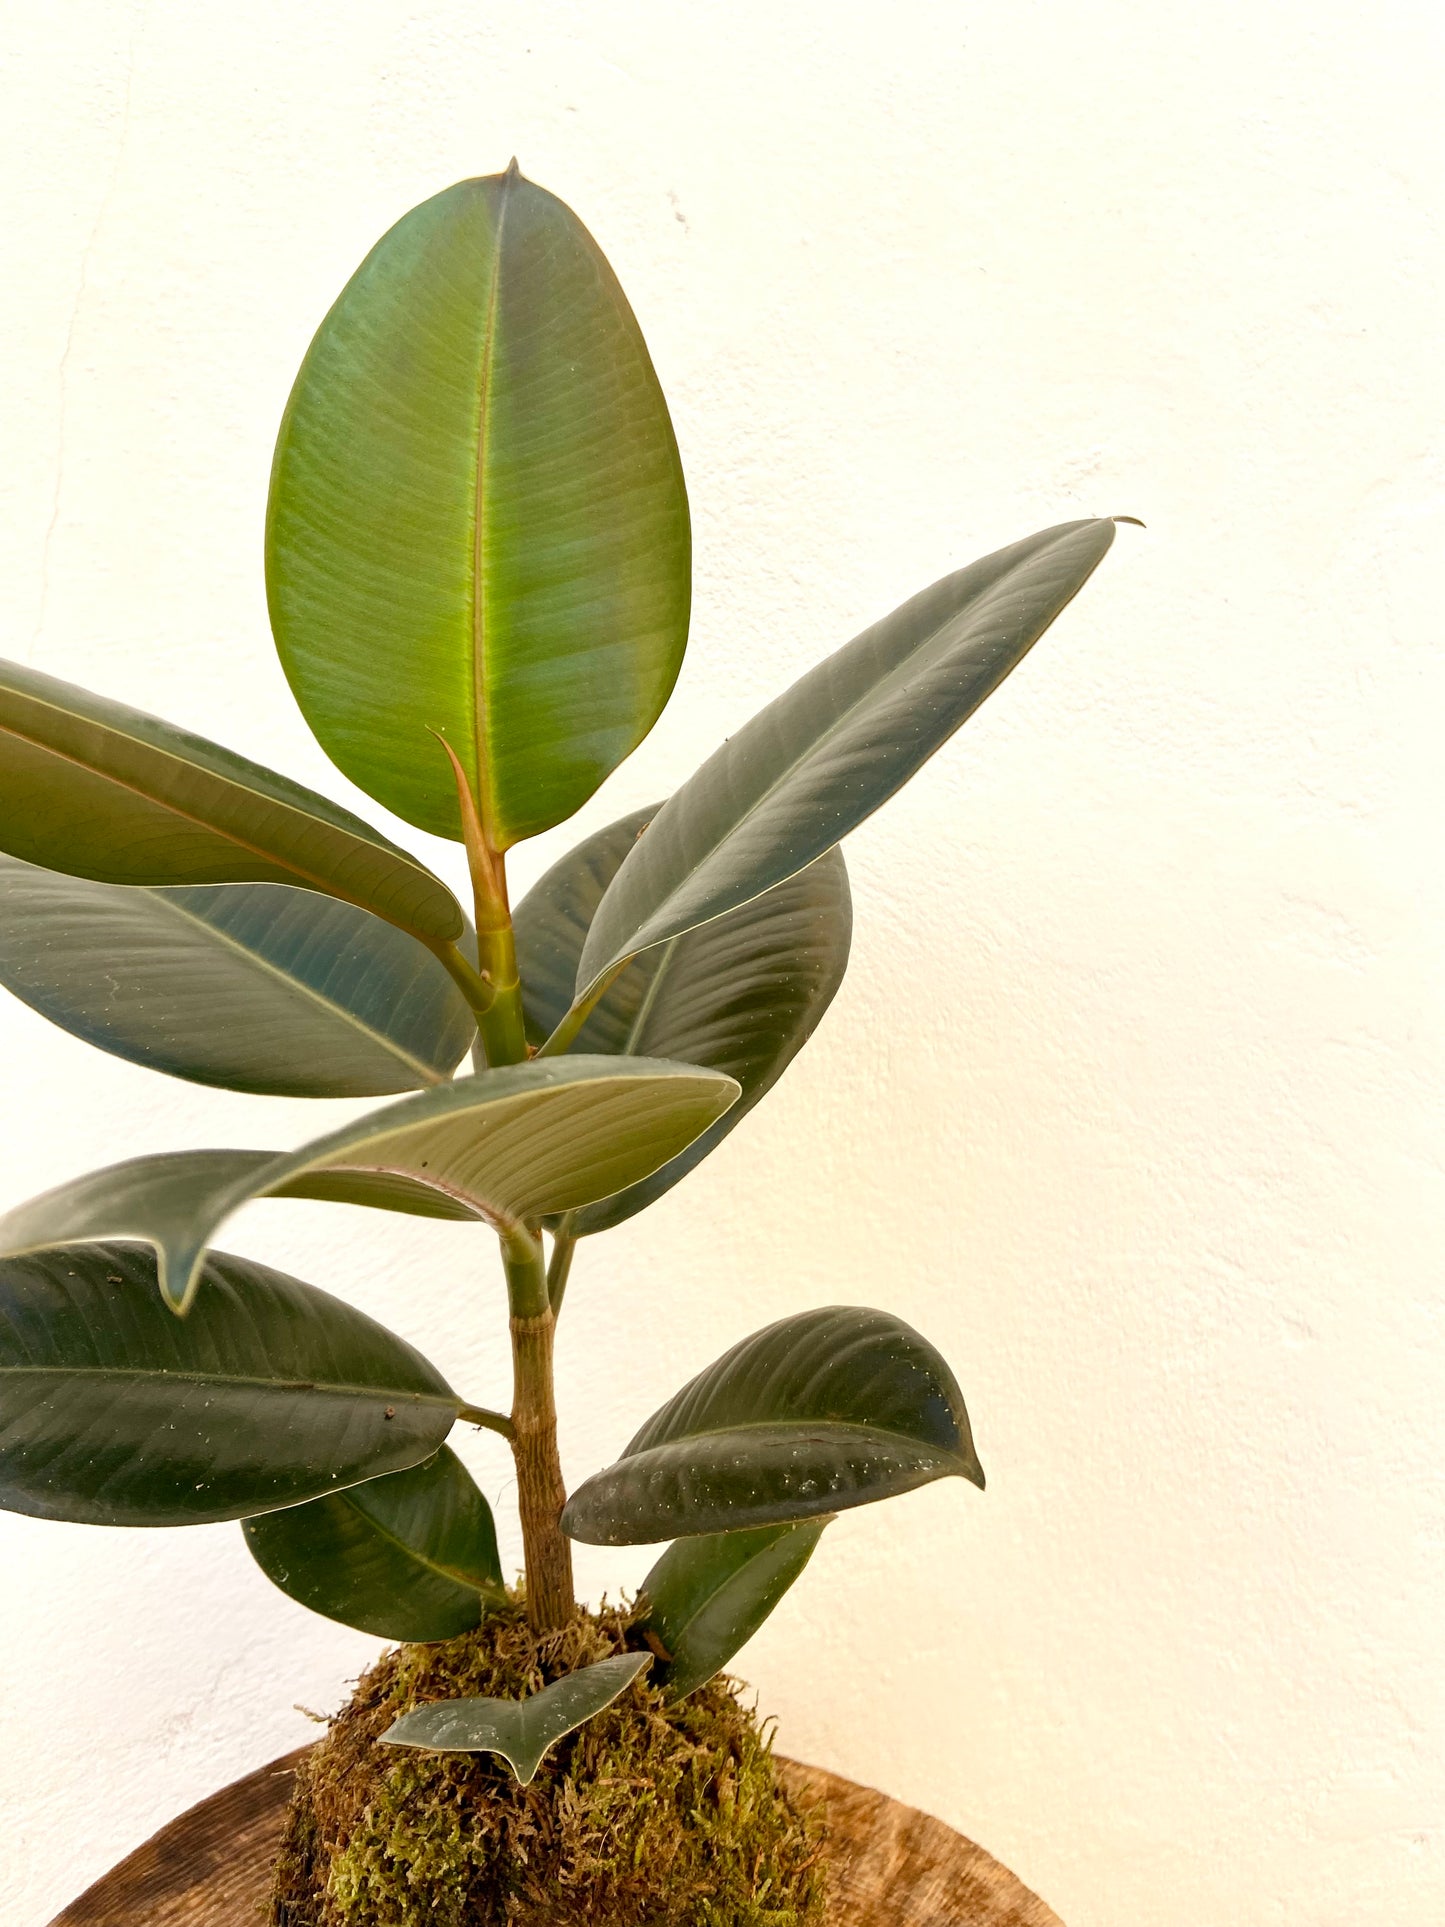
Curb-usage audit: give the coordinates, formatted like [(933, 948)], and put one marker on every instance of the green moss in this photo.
[(654, 1812)]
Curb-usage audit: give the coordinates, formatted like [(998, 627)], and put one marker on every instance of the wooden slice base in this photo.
[(892, 1866)]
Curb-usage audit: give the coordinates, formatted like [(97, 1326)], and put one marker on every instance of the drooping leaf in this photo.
[(706, 1597), (522, 1731), (252, 986), (95, 789), (827, 752), (742, 994), (112, 1412), (477, 522), (410, 1556), (817, 1413), (512, 1146)]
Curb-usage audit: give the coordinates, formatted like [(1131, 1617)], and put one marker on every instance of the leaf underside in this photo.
[(741, 995), (825, 754), (250, 986), (509, 1147)]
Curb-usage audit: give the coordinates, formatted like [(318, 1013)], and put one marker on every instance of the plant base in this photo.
[(654, 1812)]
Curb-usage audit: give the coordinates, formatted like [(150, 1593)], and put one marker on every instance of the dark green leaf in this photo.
[(112, 1412), (478, 523), (741, 995), (522, 1731), (509, 1147), (411, 1556), (252, 986), (95, 789), (820, 1412), (706, 1597), (827, 752)]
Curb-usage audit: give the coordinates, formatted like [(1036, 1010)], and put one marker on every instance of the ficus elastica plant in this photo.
[(478, 568)]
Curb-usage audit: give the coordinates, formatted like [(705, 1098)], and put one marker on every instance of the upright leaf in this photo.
[(741, 995), (114, 1413), (523, 1731), (827, 752), (509, 1147), (99, 790), (251, 986), (817, 1413), (478, 523), (706, 1597), (410, 1556)]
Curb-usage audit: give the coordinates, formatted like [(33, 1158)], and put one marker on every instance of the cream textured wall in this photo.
[(1132, 1098)]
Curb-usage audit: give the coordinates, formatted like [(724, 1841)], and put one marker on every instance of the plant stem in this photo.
[(541, 1493), (504, 1036), (481, 1415), (565, 1034), (559, 1266)]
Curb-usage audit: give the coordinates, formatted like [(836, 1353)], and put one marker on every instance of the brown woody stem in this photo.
[(541, 1494)]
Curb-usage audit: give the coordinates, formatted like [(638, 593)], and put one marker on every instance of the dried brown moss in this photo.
[(653, 1812)]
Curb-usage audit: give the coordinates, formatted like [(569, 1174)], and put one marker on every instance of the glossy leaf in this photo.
[(95, 789), (410, 1556), (112, 1412), (512, 1146), (706, 1597), (820, 1412), (522, 1731), (478, 523), (251, 986), (740, 995), (827, 752)]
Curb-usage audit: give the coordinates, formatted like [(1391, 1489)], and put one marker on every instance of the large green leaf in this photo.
[(478, 523), (96, 789), (512, 1146), (826, 1410), (522, 1731), (114, 1413), (740, 995), (827, 752), (252, 986), (706, 1597), (409, 1556)]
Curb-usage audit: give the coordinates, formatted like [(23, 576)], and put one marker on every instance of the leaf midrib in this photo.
[(814, 745), (326, 886), (427, 1072), (780, 1424), (462, 1579), (486, 802), (324, 1388)]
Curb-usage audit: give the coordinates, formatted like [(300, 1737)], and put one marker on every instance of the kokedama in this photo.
[(478, 566)]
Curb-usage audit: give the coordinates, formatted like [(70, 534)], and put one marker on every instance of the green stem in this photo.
[(499, 1018), (559, 1265), (484, 1416), (564, 1035), (504, 1034), (471, 983)]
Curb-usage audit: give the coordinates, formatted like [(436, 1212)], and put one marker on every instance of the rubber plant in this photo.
[(478, 568)]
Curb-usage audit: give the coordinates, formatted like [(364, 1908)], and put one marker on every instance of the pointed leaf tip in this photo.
[(514, 172)]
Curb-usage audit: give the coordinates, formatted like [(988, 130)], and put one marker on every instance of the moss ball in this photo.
[(656, 1811)]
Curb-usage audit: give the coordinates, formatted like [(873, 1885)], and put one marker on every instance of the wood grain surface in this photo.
[(891, 1865)]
